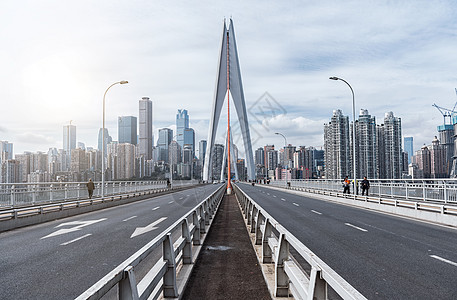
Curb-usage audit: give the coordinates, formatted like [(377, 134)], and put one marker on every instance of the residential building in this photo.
[(145, 128), (127, 130)]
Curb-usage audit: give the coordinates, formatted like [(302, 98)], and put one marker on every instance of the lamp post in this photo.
[(103, 136), (285, 141), (353, 129)]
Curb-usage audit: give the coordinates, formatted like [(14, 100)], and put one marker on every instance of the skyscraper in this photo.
[(201, 152), (366, 146), (390, 149), (127, 130), (69, 144), (336, 144), (108, 139), (182, 123), (165, 138), (408, 140), (6, 151), (145, 124)]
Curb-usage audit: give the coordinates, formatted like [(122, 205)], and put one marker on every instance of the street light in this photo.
[(285, 141), (103, 136), (353, 128)]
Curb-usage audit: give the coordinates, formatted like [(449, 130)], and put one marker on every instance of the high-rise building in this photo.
[(69, 143), (127, 131), (366, 146), (408, 141), (446, 133), (270, 164), (216, 161), (165, 138), (438, 167), (6, 151), (337, 154), (174, 153), (145, 124), (108, 139), (125, 161), (10, 171), (182, 123), (390, 151)]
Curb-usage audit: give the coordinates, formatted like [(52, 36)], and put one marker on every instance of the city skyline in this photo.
[(397, 57)]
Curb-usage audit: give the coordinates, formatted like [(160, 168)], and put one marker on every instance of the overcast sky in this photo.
[(58, 57)]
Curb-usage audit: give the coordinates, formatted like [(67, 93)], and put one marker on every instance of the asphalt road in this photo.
[(382, 256), (62, 258)]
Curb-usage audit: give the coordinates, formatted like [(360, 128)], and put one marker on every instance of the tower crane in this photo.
[(446, 112)]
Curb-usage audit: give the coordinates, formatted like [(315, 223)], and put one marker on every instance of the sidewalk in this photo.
[(227, 267)]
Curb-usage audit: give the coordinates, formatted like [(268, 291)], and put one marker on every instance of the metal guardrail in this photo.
[(164, 276), (436, 190), (380, 198), (289, 276), (20, 194)]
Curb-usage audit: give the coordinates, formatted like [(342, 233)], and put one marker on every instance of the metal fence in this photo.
[(290, 278), (436, 190), (168, 276), (22, 194)]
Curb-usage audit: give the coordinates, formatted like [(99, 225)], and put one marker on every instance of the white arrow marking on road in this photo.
[(79, 225), (445, 260), (353, 226), (150, 227)]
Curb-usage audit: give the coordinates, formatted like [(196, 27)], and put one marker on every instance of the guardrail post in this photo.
[(187, 250), (202, 219), (281, 278), (266, 251), (169, 278), (205, 206), (445, 191), (127, 286), (12, 195), (317, 286), (254, 218), (66, 192), (79, 190), (196, 235), (423, 191), (50, 192), (258, 231)]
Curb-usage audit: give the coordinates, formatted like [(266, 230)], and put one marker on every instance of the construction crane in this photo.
[(446, 112)]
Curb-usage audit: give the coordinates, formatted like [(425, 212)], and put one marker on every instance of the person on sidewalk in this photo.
[(90, 188), (365, 185), (346, 185)]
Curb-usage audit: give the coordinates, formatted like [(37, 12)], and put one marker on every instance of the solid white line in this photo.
[(155, 208), (316, 212), (353, 226), (445, 260), (296, 204), (172, 201), (81, 237), (283, 199), (129, 219)]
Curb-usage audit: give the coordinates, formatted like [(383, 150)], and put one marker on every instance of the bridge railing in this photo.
[(435, 190), (168, 276), (276, 242), (22, 194)]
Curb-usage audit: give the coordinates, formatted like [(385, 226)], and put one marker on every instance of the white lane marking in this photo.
[(173, 201), (316, 212), (296, 204), (128, 219), (150, 227), (268, 194), (444, 260), (181, 198), (274, 196), (283, 199), (156, 208), (187, 195), (77, 239), (353, 226), (79, 225)]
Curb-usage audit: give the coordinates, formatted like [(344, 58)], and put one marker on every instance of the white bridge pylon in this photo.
[(236, 91)]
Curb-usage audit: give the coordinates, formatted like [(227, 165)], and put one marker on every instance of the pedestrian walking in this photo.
[(365, 185), (90, 187), (346, 185)]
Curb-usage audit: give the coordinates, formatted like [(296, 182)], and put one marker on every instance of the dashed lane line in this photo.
[(316, 212), (283, 199), (274, 196), (356, 227), (173, 201), (77, 239), (156, 208), (296, 204), (128, 219), (444, 260)]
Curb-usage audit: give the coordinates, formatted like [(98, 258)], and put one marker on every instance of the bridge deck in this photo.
[(227, 267)]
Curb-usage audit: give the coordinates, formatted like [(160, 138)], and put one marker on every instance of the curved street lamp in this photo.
[(353, 129), (103, 136), (285, 141)]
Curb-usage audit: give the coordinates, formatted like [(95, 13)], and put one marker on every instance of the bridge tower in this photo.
[(229, 75)]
